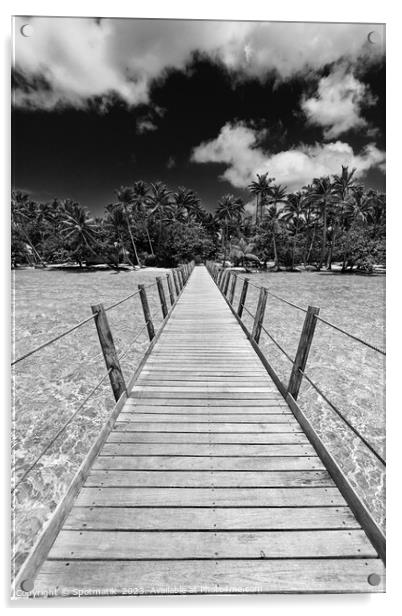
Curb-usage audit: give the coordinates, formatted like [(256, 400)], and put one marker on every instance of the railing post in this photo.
[(219, 277), (243, 296), (306, 338), (232, 288), (176, 281), (170, 287), (181, 277), (147, 313), (259, 315), (109, 351), (226, 286), (162, 296)]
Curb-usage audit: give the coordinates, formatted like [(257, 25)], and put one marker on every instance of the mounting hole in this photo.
[(27, 30), (374, 579), (27, 585)]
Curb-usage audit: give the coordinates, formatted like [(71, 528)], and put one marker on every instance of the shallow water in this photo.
[(50, 386), (351, 375)]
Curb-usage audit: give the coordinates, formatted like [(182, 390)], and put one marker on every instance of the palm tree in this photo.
[(24, 214), (261, 189), (343, 185), (358, 210), (187, 201), (241, 249), (292, 215), (159, 201), (115, 224), (126, 198), (322, 195), (230, 210), (78, 229), (140, 189), (272, 218)]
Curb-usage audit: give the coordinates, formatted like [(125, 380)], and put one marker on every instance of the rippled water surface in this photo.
[(351, 375), (50, 386)]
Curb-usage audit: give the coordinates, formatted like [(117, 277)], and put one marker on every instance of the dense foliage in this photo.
[(331, 220)]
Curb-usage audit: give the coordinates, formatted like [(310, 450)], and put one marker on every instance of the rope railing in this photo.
[(277, 344), (248, 312), (59, 432), (74, 327), (343, 331), (107, 346), (341, 416), (300, 360)]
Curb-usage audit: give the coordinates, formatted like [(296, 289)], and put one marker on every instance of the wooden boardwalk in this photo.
[(207, 482)]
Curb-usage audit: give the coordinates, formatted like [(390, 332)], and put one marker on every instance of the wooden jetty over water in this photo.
[(208, 477)]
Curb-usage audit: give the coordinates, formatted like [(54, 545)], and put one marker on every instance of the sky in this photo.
[(100, 103)]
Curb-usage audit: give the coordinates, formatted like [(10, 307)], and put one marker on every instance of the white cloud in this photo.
[(81, 58), (336, 105), (145, 125), (237, 147)]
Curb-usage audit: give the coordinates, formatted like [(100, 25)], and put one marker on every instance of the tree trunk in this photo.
[(131, 236), (324, 237), (149, 239), (276, 261), (311, 243)]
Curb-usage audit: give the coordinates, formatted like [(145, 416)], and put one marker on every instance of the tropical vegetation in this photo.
[(332, 220)]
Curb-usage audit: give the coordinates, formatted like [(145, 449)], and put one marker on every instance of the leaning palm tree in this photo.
[(140, 189), (322, 195), (24, 215), (260, 188), (125, 196), (272, 218)]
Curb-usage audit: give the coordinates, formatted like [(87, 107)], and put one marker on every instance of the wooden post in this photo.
[(243, 296), (218, 279), (225, 288), (181, 274), (162, 296), (147, 313), (109, 351), (259, 315), (232, 288), (303, 350), (170, 287), (176, 282)]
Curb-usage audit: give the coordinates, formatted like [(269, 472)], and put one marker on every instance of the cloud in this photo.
[(77, 59), (237, 147), (171, 162), (336, 105), (145, 125)]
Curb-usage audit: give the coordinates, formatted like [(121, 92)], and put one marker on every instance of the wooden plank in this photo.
[(142, 545), (210, 497), (209, 479), (210, 403), (205, 426), (234, 432), (195, 518), (177, 449), (211, 577), (207, 437), (202, 391), (259, 418), (240, 463)]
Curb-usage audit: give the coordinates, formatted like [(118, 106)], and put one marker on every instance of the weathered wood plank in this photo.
[(209, 479), (195, 518), (206, 427), (208, 437), (211, 577), (211, 418), (85, 545), (210, 497), (200, 463), (176, 449)]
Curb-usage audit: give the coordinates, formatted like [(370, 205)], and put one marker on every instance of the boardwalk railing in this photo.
[(226, 280), (112, 359)]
